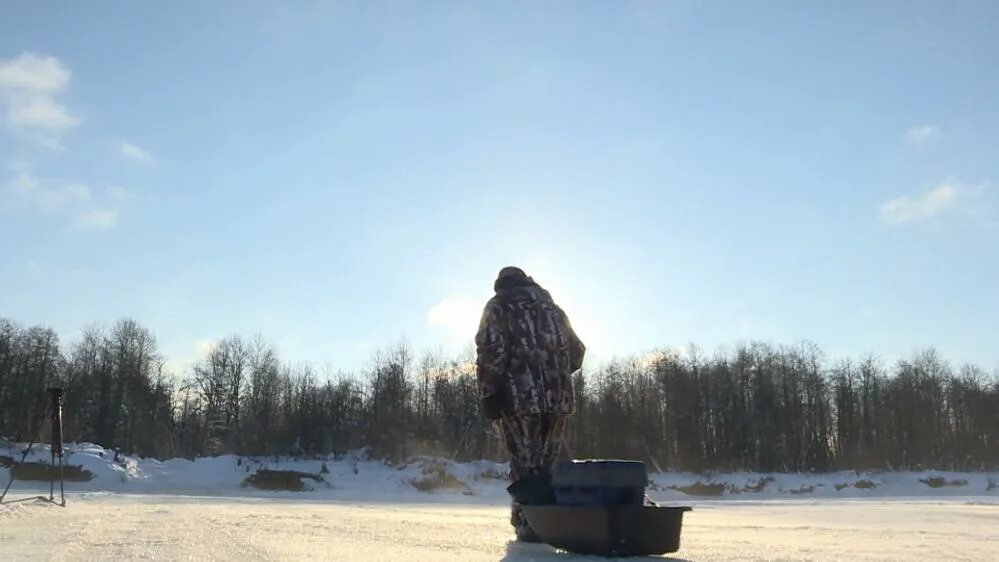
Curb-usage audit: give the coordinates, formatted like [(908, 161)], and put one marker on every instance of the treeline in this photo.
[(116, 391), (760, 407), (783, 408)]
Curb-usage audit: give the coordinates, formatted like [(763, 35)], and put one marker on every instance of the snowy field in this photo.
[(432, 509), (106, 526)]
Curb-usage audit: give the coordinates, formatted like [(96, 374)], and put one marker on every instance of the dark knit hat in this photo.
[(511, 277), (511, 271)]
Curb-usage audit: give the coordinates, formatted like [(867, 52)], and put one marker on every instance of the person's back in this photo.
[(527, 353), (528, 349)]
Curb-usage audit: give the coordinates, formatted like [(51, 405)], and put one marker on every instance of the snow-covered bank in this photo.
[(349, 478), (356, 477)]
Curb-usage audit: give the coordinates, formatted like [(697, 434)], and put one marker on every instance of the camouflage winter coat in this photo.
[(527, 350)]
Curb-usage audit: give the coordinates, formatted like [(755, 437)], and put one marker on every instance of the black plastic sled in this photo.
[(621, 530), (598, 506)]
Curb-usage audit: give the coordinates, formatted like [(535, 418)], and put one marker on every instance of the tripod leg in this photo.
[(9, 482), (62, 483), (52, 477), (56, 444), (34, 439)]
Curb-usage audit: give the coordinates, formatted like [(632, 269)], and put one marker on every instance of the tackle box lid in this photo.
[(599, 472)]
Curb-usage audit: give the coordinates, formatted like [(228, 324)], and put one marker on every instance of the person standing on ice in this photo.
[(527, 353)]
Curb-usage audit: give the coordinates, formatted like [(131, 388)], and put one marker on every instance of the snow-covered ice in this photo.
[(368, 510), (129, 527)]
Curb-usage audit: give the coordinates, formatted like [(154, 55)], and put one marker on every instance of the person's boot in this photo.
[(535, 489), (522, 528)]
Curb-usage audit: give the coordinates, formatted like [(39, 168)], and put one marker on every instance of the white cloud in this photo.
[(458, 315), (192, 353), (41, 113), (204, 347), (134, 152), (97, 219), (941, 198), (30, 107), (24, 179), (33, 266), (46, 195), (120, 193), (922, 134), (29, 86), (34, 73), (55, 198), (74, 200)]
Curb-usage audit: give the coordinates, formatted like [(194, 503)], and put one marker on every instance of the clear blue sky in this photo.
[(342, 176)]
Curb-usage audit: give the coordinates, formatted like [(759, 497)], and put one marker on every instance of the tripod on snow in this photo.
[(55, 409)]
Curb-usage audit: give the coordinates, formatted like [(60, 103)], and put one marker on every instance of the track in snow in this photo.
[(112, 526)]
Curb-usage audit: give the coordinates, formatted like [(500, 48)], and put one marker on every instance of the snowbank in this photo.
[(354, 477), (357, 478), (842, 485)]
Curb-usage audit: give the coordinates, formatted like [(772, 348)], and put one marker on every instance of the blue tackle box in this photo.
[(599, 482)]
